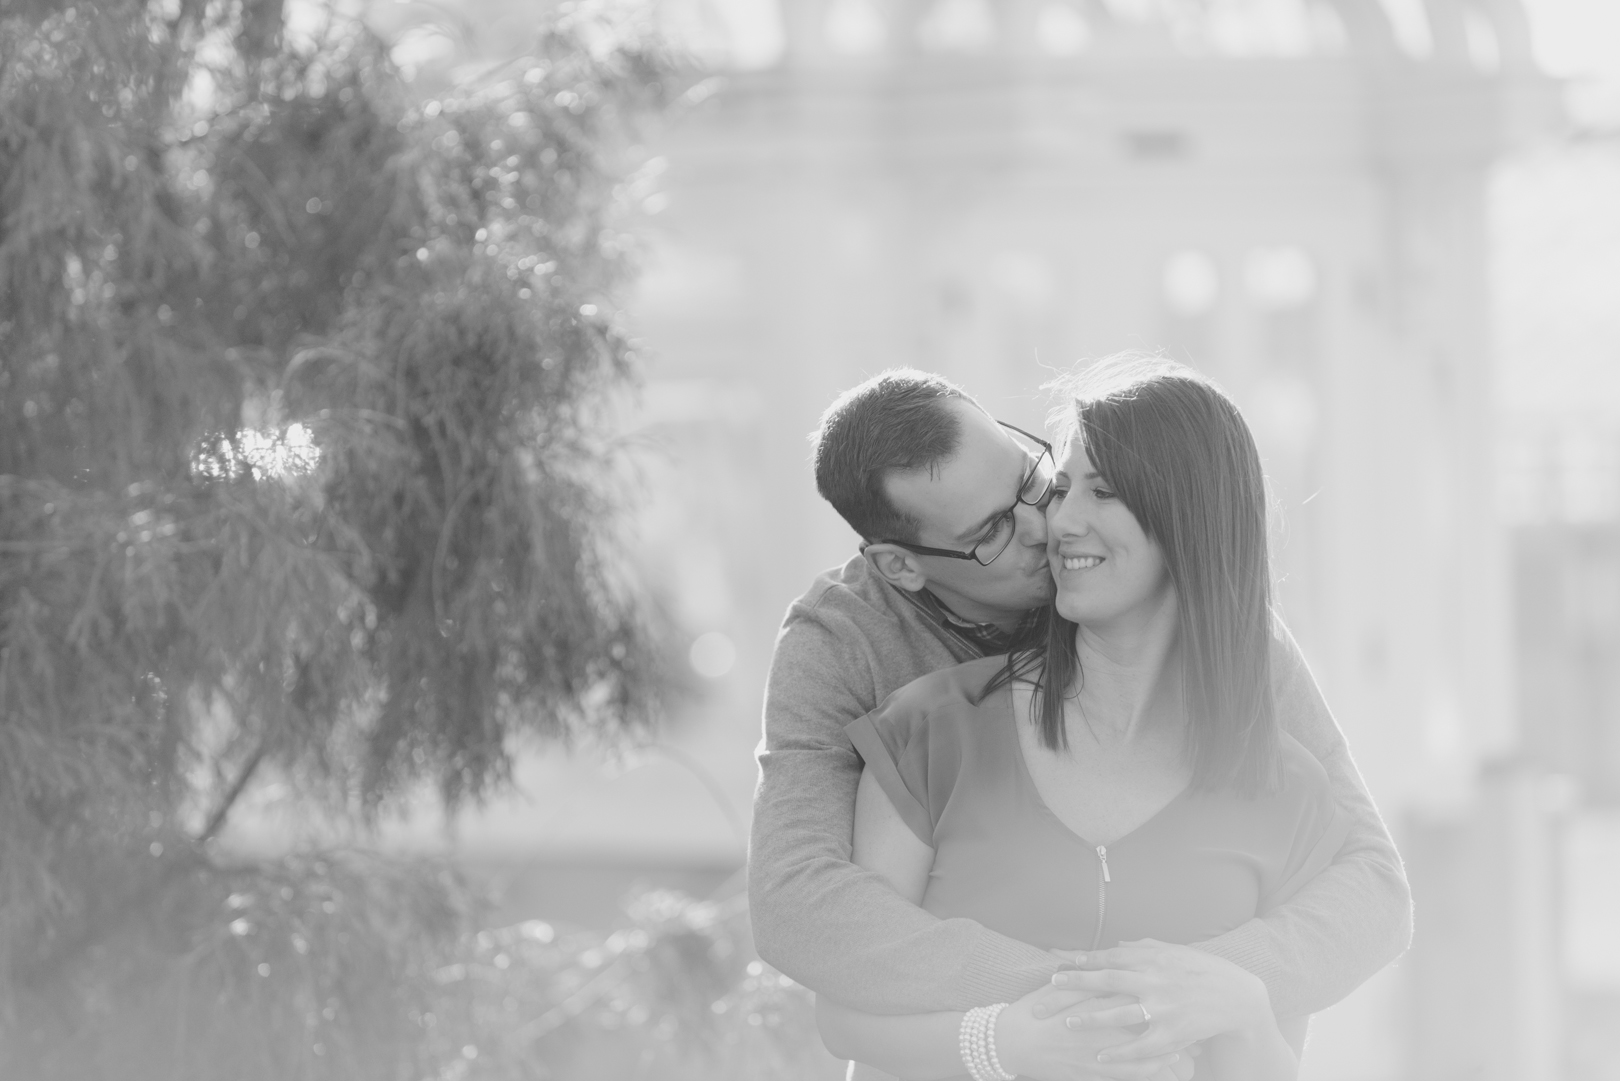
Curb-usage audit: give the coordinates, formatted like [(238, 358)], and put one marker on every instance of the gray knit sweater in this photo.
[(841, 931)]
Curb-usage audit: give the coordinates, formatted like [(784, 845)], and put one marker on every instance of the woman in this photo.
[(1127, 780)]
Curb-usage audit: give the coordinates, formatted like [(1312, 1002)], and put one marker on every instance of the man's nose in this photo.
[(1031, 523)]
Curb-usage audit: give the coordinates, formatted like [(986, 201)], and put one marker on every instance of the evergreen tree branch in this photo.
[(216, 820)]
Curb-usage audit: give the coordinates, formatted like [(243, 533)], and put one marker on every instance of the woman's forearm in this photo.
[(920, 1045), (1258, 1052), (926, 1047)]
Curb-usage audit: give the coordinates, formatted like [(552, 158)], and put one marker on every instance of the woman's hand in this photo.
[(1049, 1050), (1184, 994)]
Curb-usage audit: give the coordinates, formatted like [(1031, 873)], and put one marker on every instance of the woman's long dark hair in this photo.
[(1176, 451)]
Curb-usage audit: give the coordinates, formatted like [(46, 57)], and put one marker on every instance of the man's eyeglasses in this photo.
[(1035, 490)]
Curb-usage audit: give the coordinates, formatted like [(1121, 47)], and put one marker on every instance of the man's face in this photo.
[(957, 506)]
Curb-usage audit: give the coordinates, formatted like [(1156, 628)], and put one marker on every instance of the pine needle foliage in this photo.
[(305, 474)]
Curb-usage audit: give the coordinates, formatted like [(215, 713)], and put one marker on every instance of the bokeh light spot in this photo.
[(1192, 282), (712, 655), (1280, 277)]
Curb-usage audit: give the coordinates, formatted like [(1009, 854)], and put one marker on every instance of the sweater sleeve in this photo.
[(1312, 827), (837, 929), (1354, 917)]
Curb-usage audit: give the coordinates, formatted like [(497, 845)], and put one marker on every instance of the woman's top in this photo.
[(951, 763), (1204, 864)]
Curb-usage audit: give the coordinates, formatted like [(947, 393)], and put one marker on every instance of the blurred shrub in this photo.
[(351, 966), (677, 994)]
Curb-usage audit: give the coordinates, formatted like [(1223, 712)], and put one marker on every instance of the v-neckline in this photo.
[(1028, 779)]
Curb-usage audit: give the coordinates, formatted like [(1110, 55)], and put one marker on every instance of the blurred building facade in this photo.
[(998, 192), (1288, 195)]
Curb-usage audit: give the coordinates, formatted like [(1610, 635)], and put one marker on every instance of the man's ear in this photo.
[(897, 566)]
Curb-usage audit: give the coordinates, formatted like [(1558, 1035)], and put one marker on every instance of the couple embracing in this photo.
[(1046, 790)]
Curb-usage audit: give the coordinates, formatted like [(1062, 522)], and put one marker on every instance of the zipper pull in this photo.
[(1102, 855)]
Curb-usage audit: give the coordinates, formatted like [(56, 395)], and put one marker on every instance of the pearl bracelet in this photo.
[(966, 1041), (996, 1071), (976, 1041)]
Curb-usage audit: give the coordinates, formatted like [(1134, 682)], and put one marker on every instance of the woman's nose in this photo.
[(1065, 518)]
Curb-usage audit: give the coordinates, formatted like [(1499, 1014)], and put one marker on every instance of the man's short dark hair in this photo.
[(898, 420)]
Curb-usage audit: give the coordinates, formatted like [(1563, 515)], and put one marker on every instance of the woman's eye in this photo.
[(1102, 493), (1058, 492)]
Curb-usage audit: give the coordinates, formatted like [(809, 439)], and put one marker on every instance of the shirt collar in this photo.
[(987, 639)]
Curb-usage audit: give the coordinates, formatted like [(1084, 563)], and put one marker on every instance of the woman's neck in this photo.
[(1124, 664)]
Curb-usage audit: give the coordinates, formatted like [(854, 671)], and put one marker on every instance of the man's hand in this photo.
[(1051, 1050), (1053, 1001), (1183, 994)]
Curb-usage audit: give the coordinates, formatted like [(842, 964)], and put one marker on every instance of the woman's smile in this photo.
[(1084, 515)]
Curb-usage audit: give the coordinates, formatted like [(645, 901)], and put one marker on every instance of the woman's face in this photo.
[(1106, 569)]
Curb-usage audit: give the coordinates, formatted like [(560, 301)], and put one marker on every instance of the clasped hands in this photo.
[(1189, 995)]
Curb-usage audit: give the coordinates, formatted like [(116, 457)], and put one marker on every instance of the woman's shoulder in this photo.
[(1301, 788), (1302, 793), (942, 709), (948, 689), (918, 740)]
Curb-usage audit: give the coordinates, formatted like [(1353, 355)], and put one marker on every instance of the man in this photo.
[(950, 505)]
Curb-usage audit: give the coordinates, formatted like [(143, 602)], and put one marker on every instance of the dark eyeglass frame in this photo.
[(1039, 501)]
